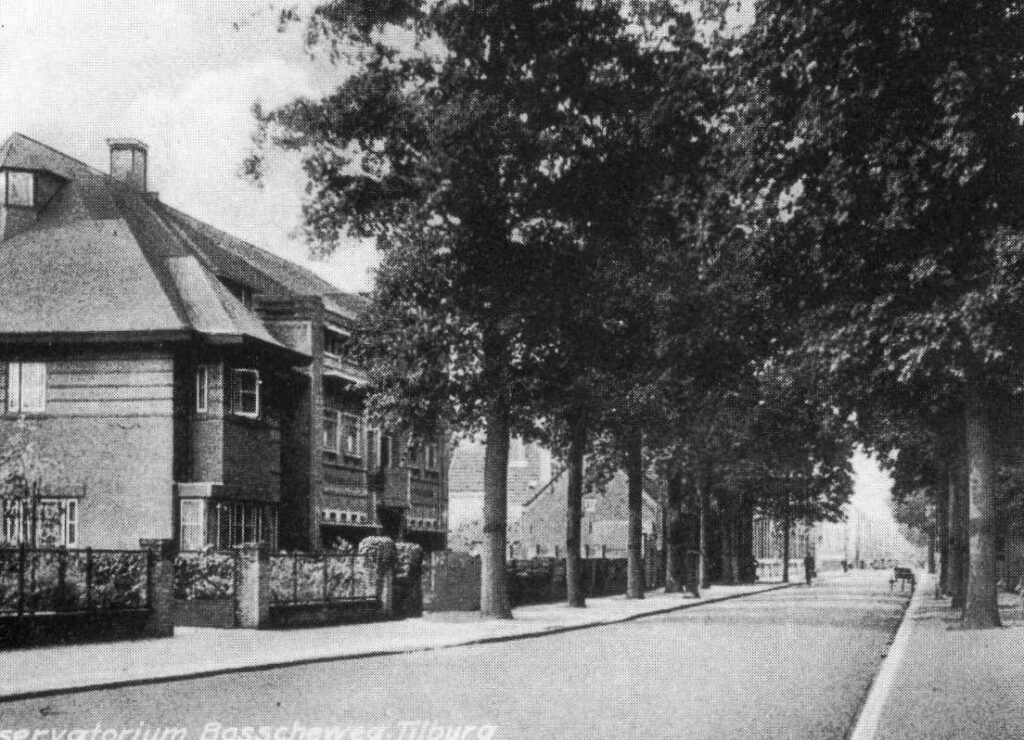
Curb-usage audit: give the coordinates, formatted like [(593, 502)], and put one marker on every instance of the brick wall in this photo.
[(108, 426)]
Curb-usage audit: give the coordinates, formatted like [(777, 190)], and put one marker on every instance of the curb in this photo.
[(293, 663), (866, 725)]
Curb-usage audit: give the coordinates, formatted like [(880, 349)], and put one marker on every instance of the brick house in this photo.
[(186, 384), (536, 504)]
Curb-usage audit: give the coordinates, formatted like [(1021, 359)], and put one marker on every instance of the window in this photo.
[(26, 387), (233, 523), (431, 455), (386, 441), (46, 523), (243, 294), (192, 534), (335, 343), (19, 188), (352, 428), (331, 425), (202, 388), (245, 392), (372, 449)]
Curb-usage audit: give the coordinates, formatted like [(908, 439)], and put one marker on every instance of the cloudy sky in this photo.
[(181, 76)]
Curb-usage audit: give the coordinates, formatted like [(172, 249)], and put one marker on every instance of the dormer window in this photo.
[(18, 188), (243, 294)]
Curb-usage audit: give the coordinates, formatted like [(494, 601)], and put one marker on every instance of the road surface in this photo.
[(795, 663)]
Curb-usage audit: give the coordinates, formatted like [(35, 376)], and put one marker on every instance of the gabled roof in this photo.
[(105, 258)]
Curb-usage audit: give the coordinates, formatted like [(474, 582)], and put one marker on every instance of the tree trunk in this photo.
[(931, 548), (942, 512), (786, 526), (747, 565), (494, 601), (574, 512), (953, 579), (634, 552), (674, 535), (727, 517), (700, 486), (981, 605)]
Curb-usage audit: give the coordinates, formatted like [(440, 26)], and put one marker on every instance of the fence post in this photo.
[(253, 595), (326, 591), (159, 586), (88, 577), (21, 579)]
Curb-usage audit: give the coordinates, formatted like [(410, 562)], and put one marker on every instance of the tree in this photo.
[(26, 470), (883, 174), (469, 142)]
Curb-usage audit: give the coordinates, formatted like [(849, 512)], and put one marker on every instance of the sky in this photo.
[(182, 76), (872, 486)]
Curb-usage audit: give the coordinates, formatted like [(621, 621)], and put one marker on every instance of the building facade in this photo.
[(172, 381), (537, 489)]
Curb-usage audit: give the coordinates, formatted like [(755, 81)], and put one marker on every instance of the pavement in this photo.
[(790, 663), (954, 683), (197, 652)]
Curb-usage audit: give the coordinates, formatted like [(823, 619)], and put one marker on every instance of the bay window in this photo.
[(226, 524)]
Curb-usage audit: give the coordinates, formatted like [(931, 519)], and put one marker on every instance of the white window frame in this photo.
[(7, 188), (16, 389), (332, 445), (236, 392), (192, 520), (202, 388), (238, 518), (22, 525), (352, 422)]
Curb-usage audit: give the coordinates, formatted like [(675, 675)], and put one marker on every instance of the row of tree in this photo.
[(661, 240)]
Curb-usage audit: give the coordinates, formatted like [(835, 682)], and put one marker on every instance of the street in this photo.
[(795, 663)]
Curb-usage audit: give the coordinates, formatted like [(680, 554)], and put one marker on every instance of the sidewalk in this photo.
[(952, 683), (199, 652)]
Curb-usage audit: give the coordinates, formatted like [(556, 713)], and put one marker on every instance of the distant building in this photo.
[(861, 537), (537, 505)]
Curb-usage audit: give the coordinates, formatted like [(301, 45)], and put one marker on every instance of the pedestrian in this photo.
[(808, 567)]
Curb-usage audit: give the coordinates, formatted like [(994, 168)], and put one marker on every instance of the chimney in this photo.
[(128, 162)]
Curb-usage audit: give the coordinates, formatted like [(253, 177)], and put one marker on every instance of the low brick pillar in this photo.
[(159, 587), (252, 598), (382, 556)]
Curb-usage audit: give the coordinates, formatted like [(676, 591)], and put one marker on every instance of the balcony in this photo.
[(392, 486), (405, 487), (337, 366)]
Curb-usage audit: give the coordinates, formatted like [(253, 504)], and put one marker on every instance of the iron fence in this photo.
[(301, 578), (42, 581)]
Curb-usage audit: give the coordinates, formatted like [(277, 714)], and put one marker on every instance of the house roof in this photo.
[(104, 258)]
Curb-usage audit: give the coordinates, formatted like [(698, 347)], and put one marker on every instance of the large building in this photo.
[(180, 383)]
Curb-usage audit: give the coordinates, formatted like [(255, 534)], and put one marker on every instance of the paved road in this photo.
[(795, 664)]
